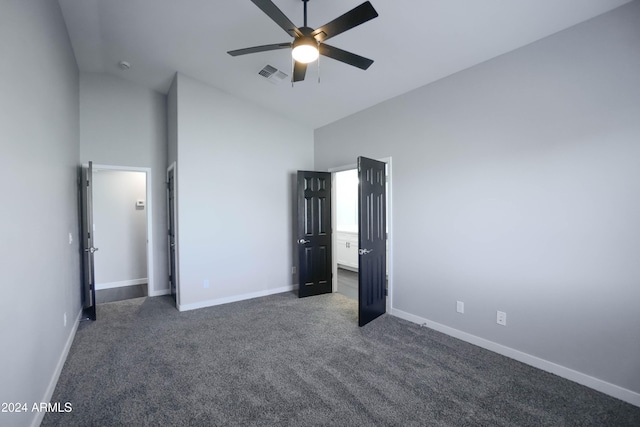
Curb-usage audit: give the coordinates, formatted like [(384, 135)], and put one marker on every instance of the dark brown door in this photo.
[(314, 233), (372, 233), (86, 222)]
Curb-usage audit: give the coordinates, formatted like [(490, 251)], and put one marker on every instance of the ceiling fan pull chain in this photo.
[(318, 64)]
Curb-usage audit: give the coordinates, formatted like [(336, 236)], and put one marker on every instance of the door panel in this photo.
[(171, 233), (314, 233), (372, 283), (86, 196)]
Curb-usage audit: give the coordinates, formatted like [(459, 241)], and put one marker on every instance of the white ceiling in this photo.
[(412, 42)]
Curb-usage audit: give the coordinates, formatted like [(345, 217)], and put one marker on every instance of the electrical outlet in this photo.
[(460, 307), (206, 283), (70, 238), (64, 319), (501, 318), (293, 270)]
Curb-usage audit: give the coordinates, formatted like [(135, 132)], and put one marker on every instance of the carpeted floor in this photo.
[(281, 360), (348, 283)]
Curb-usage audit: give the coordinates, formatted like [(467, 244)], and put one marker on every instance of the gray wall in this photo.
[(172, 123), (39, 148), (120, 228), (122, 124), (235, 163), (515, 188)]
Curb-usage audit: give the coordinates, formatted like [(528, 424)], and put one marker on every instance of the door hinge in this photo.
[(386, 292)]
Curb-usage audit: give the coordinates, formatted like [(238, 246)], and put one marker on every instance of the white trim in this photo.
[(132, 282), (334, 234), (118, 168), (160, 293), (39, 415), (151, 283), (343, 168), (597, 384), (235, 298), (174, 167), (388, 161)]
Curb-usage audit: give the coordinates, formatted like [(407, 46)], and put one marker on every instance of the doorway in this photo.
[(316, 239), (345, 240), (346, 230), (122, 224)]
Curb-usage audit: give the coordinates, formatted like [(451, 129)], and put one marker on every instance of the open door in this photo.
[(372, 235), (314, 233), (171, 232), (88, 282)]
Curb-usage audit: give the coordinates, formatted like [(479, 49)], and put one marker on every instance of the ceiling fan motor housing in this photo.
[(310, 43)]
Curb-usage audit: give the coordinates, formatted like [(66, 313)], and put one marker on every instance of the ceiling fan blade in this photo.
[(272, 11), (256, 49), (353, 18), (299, 70), (344, 56)]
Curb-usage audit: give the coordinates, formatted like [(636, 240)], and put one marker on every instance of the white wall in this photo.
[(515, 188), (172, 122), (347, 200), (123, 124), (235, 198), (39, 152), (120, 228)]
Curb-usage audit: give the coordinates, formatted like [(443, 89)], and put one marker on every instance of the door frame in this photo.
[(173, 168), (334, 218), (151, 286)]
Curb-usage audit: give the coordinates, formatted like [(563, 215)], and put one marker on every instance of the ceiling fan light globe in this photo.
[(305, 51)]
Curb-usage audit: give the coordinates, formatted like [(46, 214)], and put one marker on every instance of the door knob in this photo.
[(303, 241), (91, 249), (364, 251)]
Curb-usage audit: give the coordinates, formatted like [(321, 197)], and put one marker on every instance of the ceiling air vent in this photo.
[(272, 74)]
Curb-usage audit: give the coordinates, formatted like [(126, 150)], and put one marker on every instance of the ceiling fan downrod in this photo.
[(305, 11), (309, 43)]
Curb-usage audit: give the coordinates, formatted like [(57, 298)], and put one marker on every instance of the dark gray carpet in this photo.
[(281, 360)]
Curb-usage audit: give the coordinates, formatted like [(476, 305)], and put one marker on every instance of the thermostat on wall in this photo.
[(140, 204)]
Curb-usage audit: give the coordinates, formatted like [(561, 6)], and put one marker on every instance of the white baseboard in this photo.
[(562, 371), (160, 292), (132, 282), (348, 267), (39, 415), (234, 298)]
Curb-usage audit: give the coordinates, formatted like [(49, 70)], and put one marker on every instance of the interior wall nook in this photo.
[(234, 162), (124, 124), (120, 226)]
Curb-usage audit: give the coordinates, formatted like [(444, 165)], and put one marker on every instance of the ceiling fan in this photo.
[(309, 43)]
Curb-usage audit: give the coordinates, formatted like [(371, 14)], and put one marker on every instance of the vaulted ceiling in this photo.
[(412, 42)]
